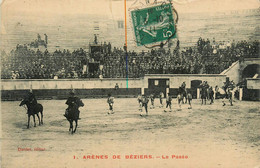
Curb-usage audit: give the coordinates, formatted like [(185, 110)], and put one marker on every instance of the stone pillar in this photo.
[(214, 96), (142, 90), (240, 93), (167, 91), (198, 93)]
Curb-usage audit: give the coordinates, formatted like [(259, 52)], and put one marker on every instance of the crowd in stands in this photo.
[(207, 57)]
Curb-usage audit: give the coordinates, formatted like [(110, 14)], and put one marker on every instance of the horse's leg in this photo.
[(71, 126), (76, 121), (28, 121), (41, 117), (230, 100), (38, 119), (205, 101), (34, 120)]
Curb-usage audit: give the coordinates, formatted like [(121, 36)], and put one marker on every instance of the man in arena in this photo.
[(189, 98), (180, 99), (161, 96), (152, 101), (139, 99), (110, 101), (145, 101), (211, 94), (168, 102)]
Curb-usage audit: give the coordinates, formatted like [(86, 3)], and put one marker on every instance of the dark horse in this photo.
[(32, 110), (72, 114), (183, 93)]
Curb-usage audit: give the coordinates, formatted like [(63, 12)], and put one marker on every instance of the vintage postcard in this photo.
[(130, 83)]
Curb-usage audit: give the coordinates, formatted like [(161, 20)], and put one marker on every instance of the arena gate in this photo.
[(155, 86)]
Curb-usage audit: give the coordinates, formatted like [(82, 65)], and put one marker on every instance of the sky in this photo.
[(43, 12), (102, 7)]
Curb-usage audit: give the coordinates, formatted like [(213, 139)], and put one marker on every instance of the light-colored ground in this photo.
[(211, 136)]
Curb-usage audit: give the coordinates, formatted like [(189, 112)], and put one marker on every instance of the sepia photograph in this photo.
[(130, 83)]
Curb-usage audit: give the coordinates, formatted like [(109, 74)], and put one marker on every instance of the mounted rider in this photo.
[(73, 103), (31, 99), (183, 85), (228, 87)]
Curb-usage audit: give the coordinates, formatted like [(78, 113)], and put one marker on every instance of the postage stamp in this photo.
[(153, 24)]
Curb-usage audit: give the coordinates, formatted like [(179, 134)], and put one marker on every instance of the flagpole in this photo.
[(126, 47)]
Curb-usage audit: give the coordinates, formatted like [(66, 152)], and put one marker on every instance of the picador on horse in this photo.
[(33, 107), (72, 112)]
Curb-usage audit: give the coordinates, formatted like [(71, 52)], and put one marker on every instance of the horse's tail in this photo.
[(39, 108)]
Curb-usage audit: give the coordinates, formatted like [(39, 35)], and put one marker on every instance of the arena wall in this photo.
[(253, 83), (47, 84), (177, 79), (94, 88), (233, 72), (59, 89)]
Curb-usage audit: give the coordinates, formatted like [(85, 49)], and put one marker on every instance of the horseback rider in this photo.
[(183, 85), (74, 103), (31, 99), (182, 88)]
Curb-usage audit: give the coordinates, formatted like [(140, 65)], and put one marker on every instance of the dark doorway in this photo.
[(155, 86), (193, 86), (93, 69), (250, 71), (95, 48)]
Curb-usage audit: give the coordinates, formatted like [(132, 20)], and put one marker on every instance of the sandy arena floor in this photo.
[(210, 136)]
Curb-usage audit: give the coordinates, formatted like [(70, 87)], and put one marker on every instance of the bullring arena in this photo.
[(60, 55), (208, 135), (223, 136)]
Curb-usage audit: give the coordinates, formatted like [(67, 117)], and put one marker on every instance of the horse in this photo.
[(32, 110), (183, 92), (226, 95), (72, 114)]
